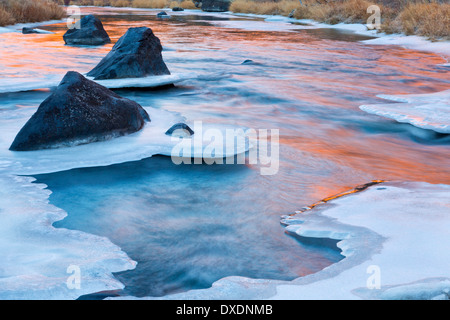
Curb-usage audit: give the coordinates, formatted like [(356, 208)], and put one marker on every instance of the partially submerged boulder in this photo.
[(137, 54), (177, 9), (79, 111), (91, 33), (180, 130), (162, 14), (28, 30)]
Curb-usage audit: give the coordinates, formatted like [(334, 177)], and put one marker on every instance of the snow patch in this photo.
[(36, 256), (427, 111)]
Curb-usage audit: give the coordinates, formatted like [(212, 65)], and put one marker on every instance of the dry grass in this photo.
[(6, 18), (21, 11), (150, 3), (331, 12), (186, 4), (428, 18), (431, 20)]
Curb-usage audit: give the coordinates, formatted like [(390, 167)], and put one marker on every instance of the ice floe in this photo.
[(51, 81), (427, 111), (412, 220), (41, 262)]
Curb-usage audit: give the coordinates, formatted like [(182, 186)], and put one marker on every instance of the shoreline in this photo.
[(412, 42)]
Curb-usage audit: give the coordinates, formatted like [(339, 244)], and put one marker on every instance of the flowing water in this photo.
[(190, 225)]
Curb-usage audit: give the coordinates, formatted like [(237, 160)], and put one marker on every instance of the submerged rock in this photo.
[(137, 54), (180, 130), (26, 30), (248, 61), (90, 33), (162, 14), (79, 111)]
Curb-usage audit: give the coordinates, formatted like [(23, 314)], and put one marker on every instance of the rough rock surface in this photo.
[(79, 111), (90, 33), (137, 54)]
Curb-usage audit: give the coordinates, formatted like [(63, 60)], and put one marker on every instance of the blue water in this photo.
[(190, 225)]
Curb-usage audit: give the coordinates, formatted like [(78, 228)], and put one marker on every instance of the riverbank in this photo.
[(412, 17), (24, 11)]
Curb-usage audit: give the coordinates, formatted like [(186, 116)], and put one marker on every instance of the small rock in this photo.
[(177, 9), (27, 30), (91, 33), (180, 130), (248, 61), (162, 14)]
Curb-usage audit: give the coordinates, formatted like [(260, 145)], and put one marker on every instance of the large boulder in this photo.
[(79, 111), (91, 33), (213, 5), (137, 54)]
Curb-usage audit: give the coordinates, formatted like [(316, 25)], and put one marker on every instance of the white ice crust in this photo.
[(36, 257), (37, 260), (394, 237), (151, 140), (427, 111), (52, 81)]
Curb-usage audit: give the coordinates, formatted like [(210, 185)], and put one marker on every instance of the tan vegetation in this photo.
[(186, 4), (428, 18), (20, 11)]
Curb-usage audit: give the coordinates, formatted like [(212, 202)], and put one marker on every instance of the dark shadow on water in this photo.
[(334, 34)]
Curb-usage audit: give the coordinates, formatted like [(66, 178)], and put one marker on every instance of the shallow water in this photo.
[(190, 225)]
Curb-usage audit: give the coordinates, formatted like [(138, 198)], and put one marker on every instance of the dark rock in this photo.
[(136, 54), (162, 14), (180, 130), (27, 30), (214, 5), (177, 9), (91, 33), (79, 111)]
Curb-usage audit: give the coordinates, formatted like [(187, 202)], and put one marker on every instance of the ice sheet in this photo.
[(151, 140), (427, 111), (38, 260)]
